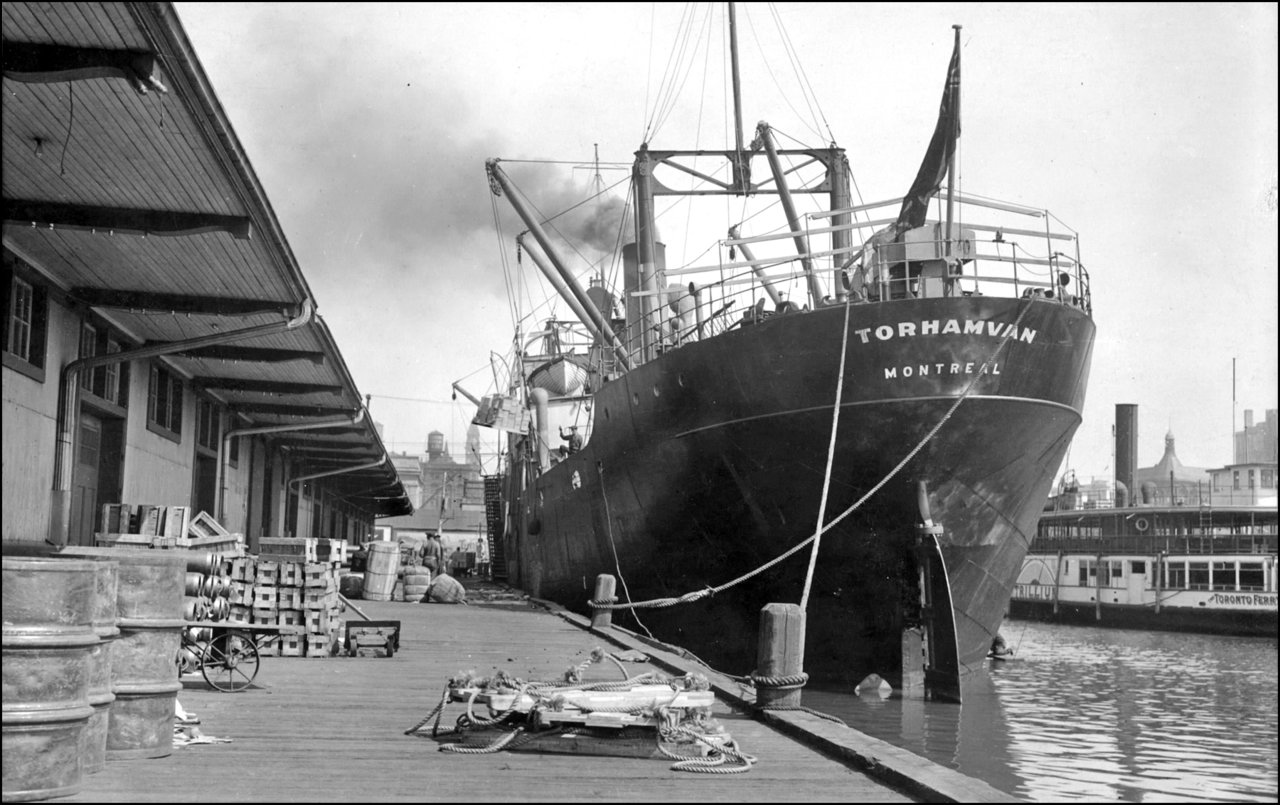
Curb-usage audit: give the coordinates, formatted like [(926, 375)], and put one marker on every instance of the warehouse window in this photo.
[(26, 315), (164, 403), (208, 424)]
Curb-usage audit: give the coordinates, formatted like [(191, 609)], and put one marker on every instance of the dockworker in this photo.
[(573, 438), (458, 563), (433, 553)]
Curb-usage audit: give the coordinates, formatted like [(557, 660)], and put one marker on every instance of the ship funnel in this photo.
[(1148, 492), (1126, 445)]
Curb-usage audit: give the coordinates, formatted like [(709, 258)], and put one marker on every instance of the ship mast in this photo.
[(951, 160), (646, 186), (741, 173)]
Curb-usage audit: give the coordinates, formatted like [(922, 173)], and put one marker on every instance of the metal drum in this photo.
[(47, 641), (380, 576), (106, 576), (144, 659)]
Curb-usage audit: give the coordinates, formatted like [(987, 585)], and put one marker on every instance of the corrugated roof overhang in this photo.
[(142, 205)]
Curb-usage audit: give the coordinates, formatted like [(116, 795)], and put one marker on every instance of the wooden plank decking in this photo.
[(332, 729)]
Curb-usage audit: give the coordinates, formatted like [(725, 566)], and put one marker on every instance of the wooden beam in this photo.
[(118, 220), (35, 63), (265, 386), (318, 448), (179, 303), (257, 355), (279, 409)]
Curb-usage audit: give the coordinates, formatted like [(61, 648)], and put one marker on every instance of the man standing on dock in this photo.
[(433, 553)]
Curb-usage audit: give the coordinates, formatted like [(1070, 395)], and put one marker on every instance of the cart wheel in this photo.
[(230, 662)]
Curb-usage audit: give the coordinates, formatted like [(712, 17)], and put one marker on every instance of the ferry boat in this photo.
[(1209, 569), (905, 407)]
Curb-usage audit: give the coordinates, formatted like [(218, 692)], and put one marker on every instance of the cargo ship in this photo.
[(893, 387)]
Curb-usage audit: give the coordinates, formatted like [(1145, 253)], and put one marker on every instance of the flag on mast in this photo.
[(942, 149)]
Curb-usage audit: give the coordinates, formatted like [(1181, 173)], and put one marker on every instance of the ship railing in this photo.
[(1208, 544), (993, 257)]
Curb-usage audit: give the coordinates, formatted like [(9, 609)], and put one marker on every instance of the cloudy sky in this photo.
[(1149, 129)]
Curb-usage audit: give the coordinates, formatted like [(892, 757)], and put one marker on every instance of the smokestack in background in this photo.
[(1126, 444)]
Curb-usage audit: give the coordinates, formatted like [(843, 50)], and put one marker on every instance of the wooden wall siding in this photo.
[(331, 730)]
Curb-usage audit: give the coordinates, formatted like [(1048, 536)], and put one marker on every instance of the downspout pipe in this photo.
[(340, 471), (765, 136), (223, 445), (69, 402)]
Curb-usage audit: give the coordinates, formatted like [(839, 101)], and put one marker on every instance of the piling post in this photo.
[(779, 674), (605, 585)]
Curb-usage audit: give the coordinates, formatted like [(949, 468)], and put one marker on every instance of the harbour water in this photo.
[(1091, 714)]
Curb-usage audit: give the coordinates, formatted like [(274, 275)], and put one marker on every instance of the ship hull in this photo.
[(710, 461)]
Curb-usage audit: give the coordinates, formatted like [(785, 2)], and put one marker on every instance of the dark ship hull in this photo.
[(709, 461)]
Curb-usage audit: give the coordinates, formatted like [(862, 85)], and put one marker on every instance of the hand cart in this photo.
[(229, 661)]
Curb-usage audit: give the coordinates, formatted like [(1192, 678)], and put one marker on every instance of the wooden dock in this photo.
[(333, 729)]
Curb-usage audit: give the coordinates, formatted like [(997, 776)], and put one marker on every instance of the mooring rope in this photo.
[(696, 595), (831, 458)]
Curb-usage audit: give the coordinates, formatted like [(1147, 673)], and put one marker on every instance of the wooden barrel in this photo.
[(47, 641), (144, 659), (380, 577)]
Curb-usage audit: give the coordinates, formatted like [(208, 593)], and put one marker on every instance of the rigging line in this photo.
[(677, 90), (505, 263), (696, 595), (811, 98), (769, 69), (617, 564), (674, 59), (831, 457)]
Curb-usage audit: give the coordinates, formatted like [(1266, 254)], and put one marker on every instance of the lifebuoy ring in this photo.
[(1140, 525)]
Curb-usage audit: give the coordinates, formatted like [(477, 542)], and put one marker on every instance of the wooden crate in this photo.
[(267, 573), (291, 574), (267, 616), (240, 613), (266, 596), (317, 621), (319, 645), (290, 617), (289, 597), (176, 521), (317, 574), (116, 518), (149, 519), (292, 645), (316, 598), (203, 525)]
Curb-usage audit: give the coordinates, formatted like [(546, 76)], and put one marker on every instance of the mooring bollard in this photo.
[(779, 674), (602, 618)]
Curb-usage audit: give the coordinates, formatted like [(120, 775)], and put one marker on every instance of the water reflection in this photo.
[(1085, 714)]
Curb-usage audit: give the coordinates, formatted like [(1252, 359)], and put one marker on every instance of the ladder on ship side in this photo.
[(494, 521)]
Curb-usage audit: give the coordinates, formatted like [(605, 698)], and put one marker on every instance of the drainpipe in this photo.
[(353, 468), (354, 419), (69, 403)]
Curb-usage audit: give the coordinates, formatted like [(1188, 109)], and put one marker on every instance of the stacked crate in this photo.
[(298, 596)]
